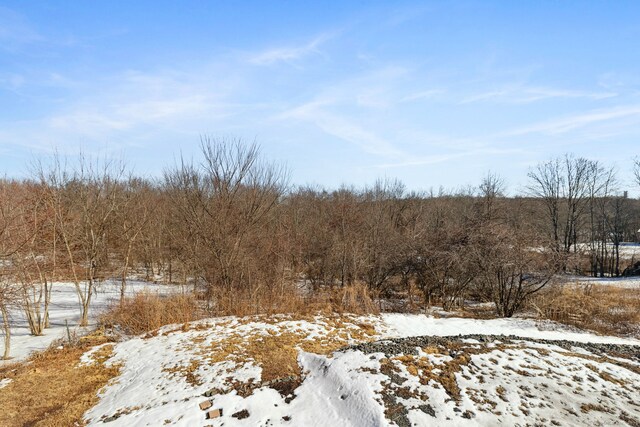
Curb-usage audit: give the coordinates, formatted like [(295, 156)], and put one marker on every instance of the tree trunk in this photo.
[(7, 331)]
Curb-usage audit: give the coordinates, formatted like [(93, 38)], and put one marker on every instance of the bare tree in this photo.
[(10, 243), (383, 236), (131, 219), (602, 183), (491, 189), (222, 202), (8, 298), (617, 221), (84, 200), (509, 269), (345, 227), (35, 261), (563, 186), (547, 186)]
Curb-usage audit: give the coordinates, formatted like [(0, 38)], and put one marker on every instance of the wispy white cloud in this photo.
[(566, 124), (399, 111), (129, 107), (451, 155), (347, 129), (425, 94), (11, 81), (519, 94), (290, 53)]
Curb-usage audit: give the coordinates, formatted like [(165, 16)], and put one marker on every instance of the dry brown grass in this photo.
[(602, 308), (146, 311), (276, 352), (354, 299), (51, 389)]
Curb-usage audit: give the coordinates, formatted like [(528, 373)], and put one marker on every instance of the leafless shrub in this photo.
[(147, 311)]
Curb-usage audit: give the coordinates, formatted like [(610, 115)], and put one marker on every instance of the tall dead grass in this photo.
[(52, 389), (147, 311), (355, 299), (602, 308)]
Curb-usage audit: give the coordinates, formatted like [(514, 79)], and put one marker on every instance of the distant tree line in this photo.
[(230, 227)]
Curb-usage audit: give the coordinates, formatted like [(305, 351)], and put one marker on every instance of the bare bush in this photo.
[(221, 204), (510, 271), (146, 311)]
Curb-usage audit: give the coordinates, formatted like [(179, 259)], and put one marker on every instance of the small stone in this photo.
[(214, 414), (205, 405)]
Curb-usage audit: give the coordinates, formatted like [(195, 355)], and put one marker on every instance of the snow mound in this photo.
[(370, 371)]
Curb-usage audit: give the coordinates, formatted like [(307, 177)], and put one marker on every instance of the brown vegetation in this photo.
[(52, 389), (606, 309), (146, 311), (274, 350), (228, 228)]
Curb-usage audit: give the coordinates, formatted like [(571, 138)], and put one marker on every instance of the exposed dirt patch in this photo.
[(241, 415)]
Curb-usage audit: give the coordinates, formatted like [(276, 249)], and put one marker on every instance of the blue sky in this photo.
[(433, 93)]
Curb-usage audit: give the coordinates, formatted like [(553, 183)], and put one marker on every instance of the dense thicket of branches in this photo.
[(229, 227)]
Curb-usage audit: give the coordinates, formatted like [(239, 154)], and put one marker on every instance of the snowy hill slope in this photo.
[(315, 371)]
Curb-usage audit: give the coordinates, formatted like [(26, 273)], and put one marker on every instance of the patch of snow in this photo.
[(87, 358), (628, 250), (409, 325), (5, 382), (337, 392), (65, 307), (148, 381), (620, 282)]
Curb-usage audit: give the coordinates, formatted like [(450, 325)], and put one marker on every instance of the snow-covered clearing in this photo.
[(402, 325), (64, 309), (628, 250), (269, 371), (619, 282)]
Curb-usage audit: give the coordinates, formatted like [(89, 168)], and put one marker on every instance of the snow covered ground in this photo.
[(628, 250), (403, 325), (271, 371), (298, 371), (66, 308), (620, 282)]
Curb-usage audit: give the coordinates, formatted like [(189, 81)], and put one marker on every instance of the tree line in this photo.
[(230, 227)]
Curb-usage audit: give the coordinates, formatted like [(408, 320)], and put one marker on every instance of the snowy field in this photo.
[(628, 250), (166, 375), (620, 282), (66, 308)]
